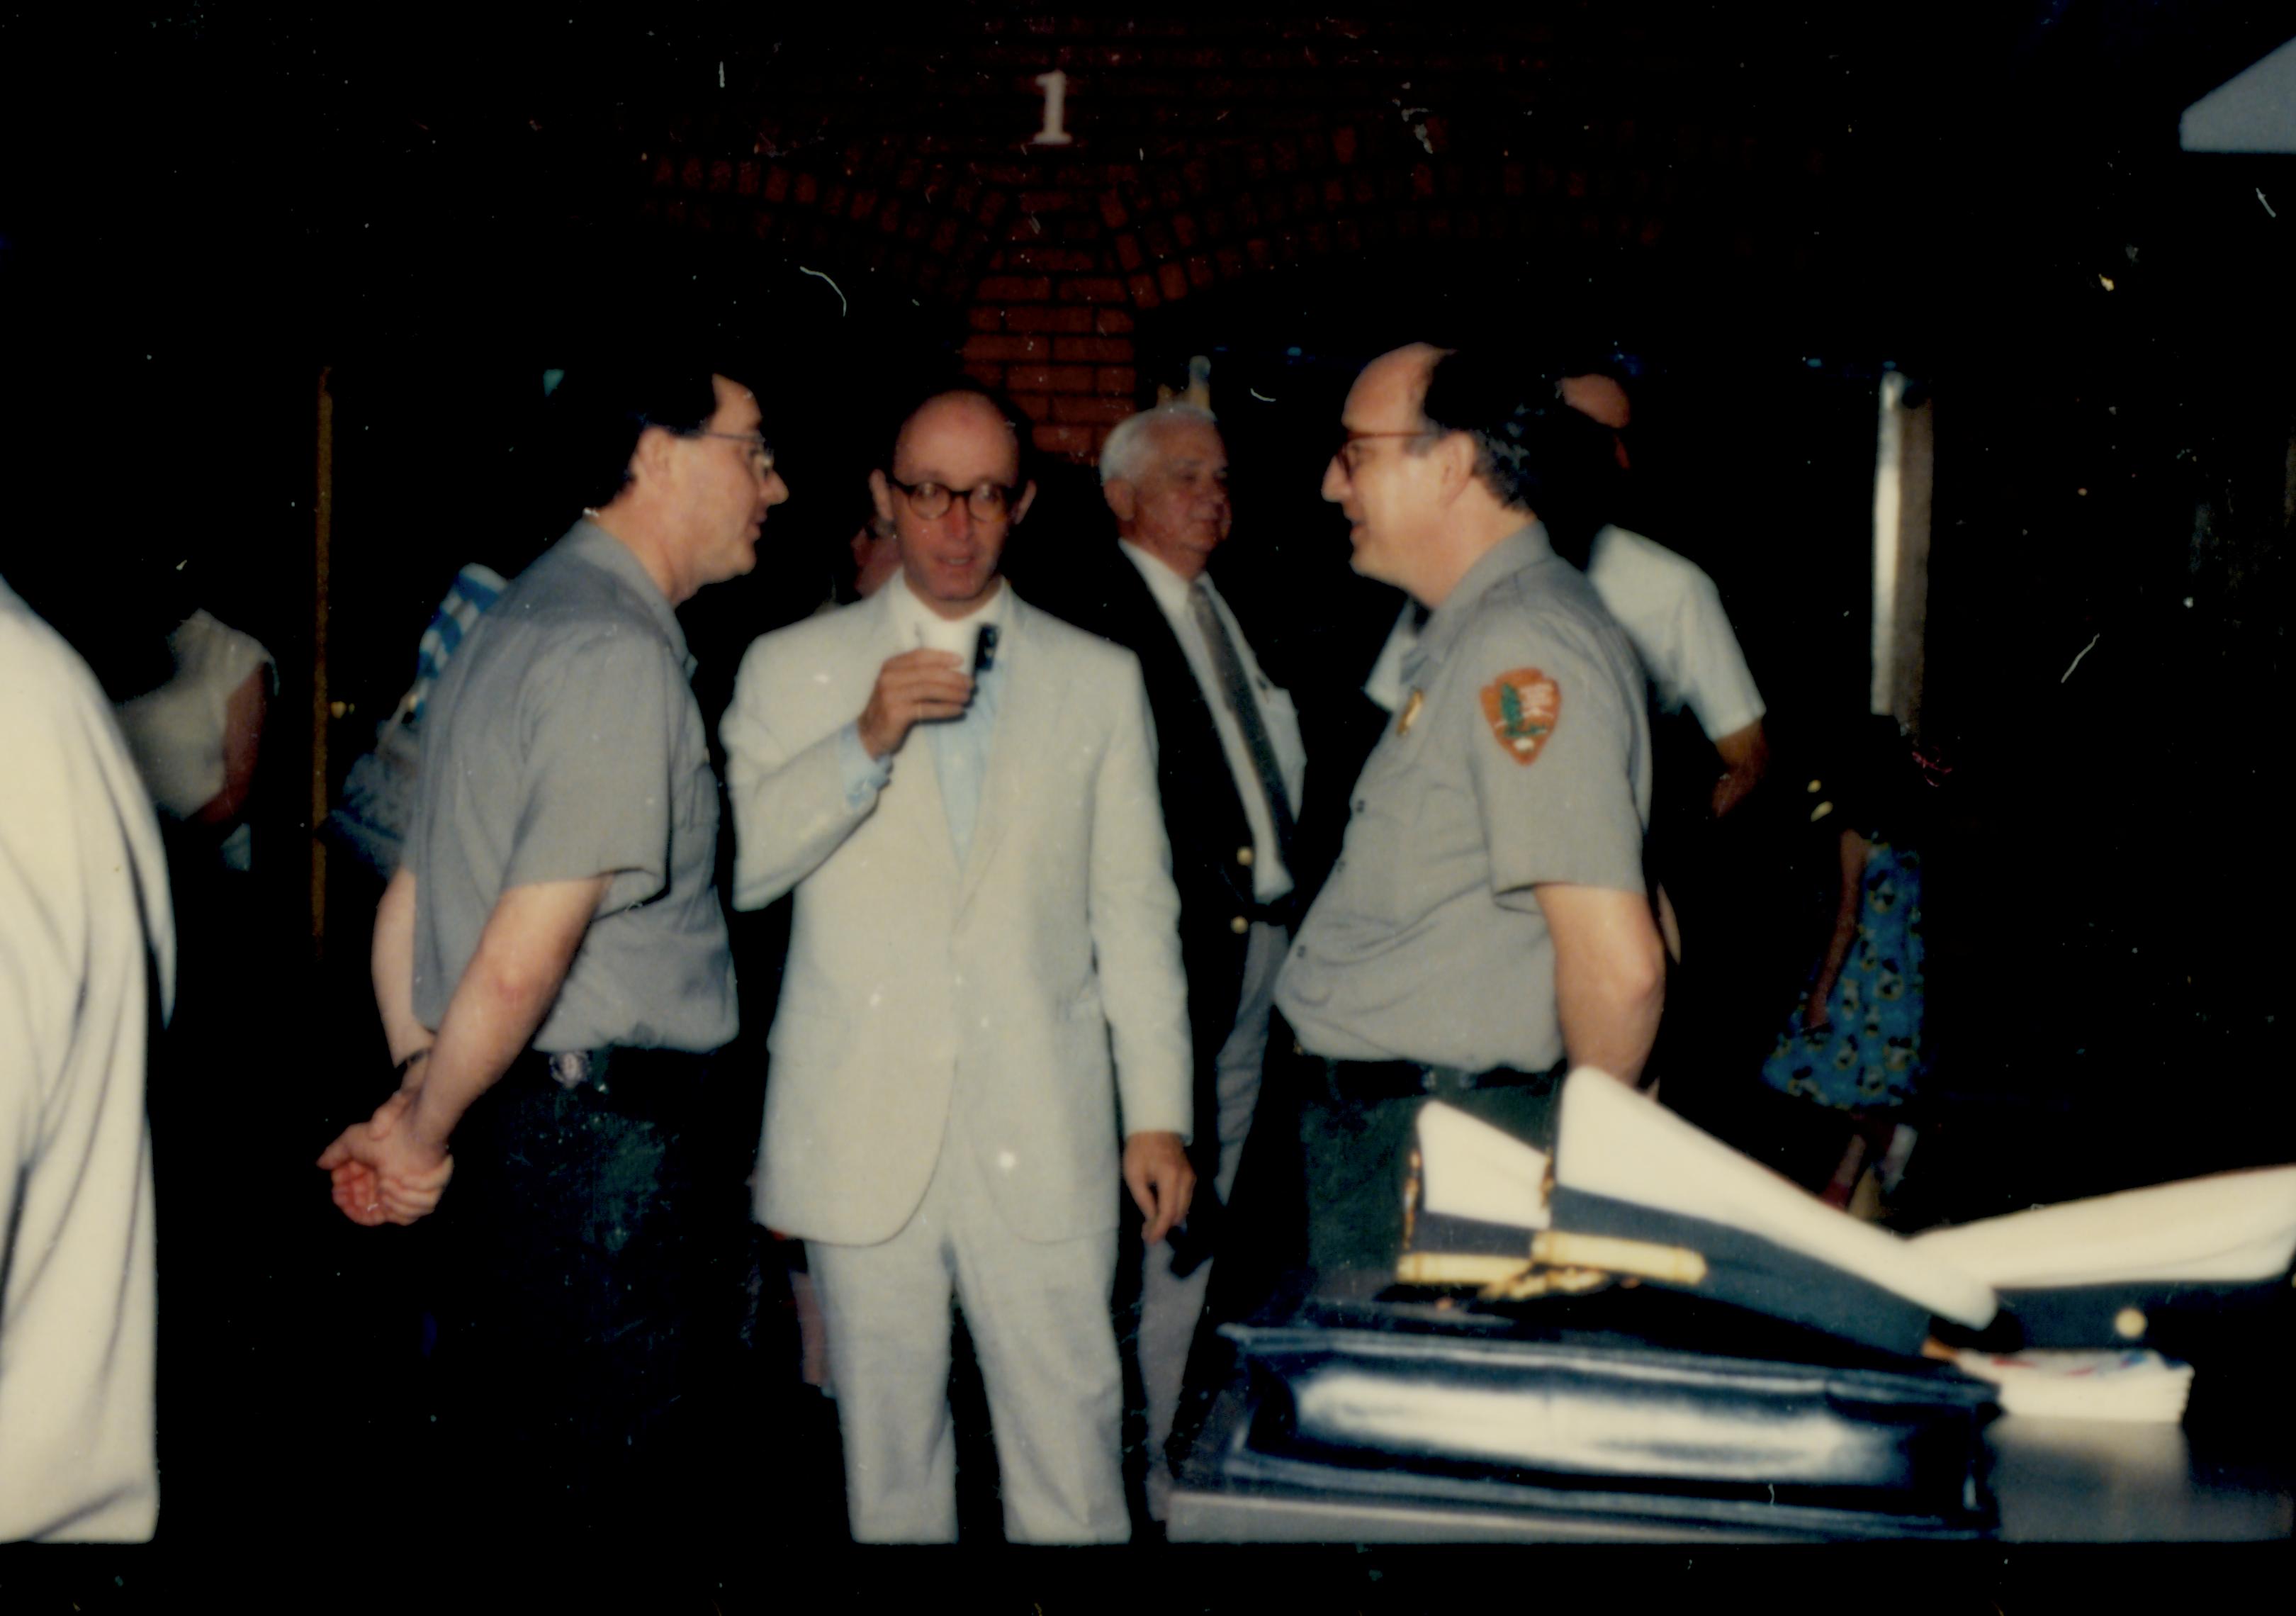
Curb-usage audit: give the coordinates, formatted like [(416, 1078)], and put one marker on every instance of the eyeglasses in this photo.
[(1344, 451), (761, 453), (987, 501)]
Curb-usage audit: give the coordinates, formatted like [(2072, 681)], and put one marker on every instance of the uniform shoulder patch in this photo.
[(1523, 707)]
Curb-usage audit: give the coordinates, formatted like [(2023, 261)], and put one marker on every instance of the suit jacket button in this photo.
[(1238, 925), (1243, 856)]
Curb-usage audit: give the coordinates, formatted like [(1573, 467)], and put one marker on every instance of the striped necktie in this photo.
[(1241, 703)]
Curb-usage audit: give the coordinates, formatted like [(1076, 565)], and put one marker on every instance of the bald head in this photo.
[(1601, 399), (960, 410), (953, 494)]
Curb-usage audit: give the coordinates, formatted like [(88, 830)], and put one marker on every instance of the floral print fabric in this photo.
[(1868, 1056)]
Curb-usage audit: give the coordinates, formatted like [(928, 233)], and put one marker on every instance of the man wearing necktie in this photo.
[(1230, 766), (983, 994), (1229, 770)]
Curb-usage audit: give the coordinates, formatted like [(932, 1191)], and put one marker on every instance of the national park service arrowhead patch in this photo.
[(1523, 707)]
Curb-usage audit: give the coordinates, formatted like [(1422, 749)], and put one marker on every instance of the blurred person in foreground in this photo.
[(87, 980)]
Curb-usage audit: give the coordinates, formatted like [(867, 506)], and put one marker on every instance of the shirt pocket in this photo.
[(1375, 872), (693, 785)]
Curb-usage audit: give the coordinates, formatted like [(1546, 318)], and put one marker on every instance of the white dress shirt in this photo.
[(960, 746), (1269, 879)]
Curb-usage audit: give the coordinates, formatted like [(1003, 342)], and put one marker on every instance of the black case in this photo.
[(1631, 1402)]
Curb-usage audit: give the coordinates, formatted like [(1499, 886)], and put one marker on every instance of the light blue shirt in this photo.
[(960, 745), (961, 759)]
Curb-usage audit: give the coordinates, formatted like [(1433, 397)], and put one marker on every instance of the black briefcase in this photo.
[(1632, 1402)]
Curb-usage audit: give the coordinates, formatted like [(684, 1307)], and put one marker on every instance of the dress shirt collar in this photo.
[(589, 543), (916, 624), (1170, 588)]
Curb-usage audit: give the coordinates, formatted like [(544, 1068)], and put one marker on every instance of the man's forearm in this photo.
[(1745, 757), (1609, 976), (1610, 1024), (522, 958), (483, 1032), (790, 814), (393, 962)]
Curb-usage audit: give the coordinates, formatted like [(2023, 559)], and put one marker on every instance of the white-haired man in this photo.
[(1230, 767)]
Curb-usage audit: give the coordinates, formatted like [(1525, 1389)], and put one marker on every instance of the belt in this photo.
[(1358, 1080), (630, 1078)]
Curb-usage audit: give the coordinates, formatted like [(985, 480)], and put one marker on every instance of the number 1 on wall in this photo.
[(1055, 85)]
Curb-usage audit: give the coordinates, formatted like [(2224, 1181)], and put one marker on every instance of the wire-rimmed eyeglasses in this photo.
[(761, 453), (1341, 451)]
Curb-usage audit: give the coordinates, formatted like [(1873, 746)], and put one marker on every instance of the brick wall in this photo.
[(1209, 148)]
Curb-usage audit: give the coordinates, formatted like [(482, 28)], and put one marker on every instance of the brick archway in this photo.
[(1210, 148)]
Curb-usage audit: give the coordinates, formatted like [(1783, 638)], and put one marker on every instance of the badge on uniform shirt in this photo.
[(1410, 713), (1523, 707)]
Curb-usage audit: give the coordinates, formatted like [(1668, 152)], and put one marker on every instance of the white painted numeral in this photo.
[(1055, 85)]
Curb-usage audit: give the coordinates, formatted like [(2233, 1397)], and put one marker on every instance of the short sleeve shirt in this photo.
[(1521, 756), (564, 742), (176, 733), (1673, 613), (1673, 617)]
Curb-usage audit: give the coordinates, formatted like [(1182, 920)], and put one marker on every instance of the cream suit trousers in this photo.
[(1039, 1316)]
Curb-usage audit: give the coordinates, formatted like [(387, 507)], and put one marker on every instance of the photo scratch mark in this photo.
[(842, 305), (2083, 650)]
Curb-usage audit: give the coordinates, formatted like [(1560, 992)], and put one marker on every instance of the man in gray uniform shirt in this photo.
[(1488, 917), (552, 967)]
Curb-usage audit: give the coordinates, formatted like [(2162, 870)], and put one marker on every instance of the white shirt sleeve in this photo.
[(1673, 613)]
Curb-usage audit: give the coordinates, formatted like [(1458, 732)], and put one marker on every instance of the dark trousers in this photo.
[(1354, 1151), (604, 1248), (1319, 1193)]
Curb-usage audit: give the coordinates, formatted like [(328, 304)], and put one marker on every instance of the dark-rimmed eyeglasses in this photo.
[(761, 453), (1343, 451), (987, 501)]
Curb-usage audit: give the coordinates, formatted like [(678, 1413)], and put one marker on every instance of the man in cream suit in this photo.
[(984, 907)]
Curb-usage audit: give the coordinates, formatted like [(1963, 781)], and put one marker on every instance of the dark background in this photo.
[(206, 208)]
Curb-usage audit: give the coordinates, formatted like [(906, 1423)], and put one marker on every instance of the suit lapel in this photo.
[(1028, 707), (1188, 743)]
